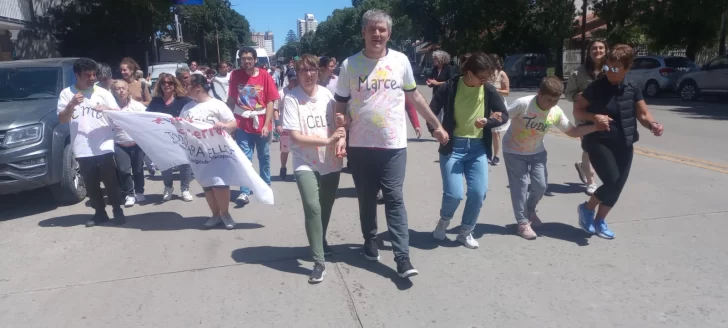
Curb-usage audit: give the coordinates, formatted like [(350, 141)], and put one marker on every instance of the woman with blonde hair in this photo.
[(170, 98), (136, 89)]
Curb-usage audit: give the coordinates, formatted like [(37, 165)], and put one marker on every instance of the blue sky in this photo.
[(280, 16)]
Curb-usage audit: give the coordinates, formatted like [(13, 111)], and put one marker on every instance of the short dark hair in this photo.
[(478, 62), (85, 65), (551, 86), (325, 61), (248, 50), (199, 80)]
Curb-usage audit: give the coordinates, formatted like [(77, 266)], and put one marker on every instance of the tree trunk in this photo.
[(584, 8), (692, 50), (559, 69), (721, 48)]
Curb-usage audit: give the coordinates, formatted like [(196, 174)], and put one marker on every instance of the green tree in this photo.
[(107, 30), (291, 37), (211, 25)]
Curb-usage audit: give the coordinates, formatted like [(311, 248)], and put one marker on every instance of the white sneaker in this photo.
[(227, 219), (212, 222), (591, 189), (187, 196), (140, 197), (441, 229), (167, 194), (130, 201), (466, 238)]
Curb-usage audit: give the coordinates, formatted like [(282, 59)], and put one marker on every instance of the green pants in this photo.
[(318, 193)]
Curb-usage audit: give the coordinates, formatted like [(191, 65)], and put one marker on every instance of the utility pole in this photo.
[(217, 39), (721, 48), (584, 8)]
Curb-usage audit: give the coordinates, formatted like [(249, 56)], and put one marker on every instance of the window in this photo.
[(721, 62), (679, 62), (29, 83)]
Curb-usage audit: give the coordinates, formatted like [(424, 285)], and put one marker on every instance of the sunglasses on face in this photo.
[(168, 83), (613, 69)]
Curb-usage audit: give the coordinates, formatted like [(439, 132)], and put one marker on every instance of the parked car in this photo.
[(711, 78), (655, 74), (35, 148), (159, 68), (525, 69)]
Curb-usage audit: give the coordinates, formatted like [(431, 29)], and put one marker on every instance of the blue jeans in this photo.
[(248, 142), (468, 159)]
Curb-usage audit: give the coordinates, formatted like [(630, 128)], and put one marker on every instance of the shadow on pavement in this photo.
[(710, 108), (20, 205), (288, 259), (561, 231), (157, 221), (567, 188)]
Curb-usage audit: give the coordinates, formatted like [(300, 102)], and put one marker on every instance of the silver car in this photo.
[(711, 78), (657, 73)]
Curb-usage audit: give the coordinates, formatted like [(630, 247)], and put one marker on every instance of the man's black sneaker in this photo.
[(283, 173), (119, 217), (405, 268), (327, 249), (317, 274), (99, 218), (495, 161), (371, 250)]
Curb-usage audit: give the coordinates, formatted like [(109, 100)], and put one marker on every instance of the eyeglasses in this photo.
[(612, 69), (249, 59), (310, 71), (168, 83)]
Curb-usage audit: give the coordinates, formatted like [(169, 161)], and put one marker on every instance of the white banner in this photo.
[(211, 153)]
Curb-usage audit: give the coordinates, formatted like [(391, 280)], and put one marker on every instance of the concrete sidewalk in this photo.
[(664, 269)]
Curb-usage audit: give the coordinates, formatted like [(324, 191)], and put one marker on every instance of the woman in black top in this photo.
[(169, 98), (617, 105), (441, 70)]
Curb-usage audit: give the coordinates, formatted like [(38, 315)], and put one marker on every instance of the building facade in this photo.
[(307, 24), (18, 38), (263, 40)]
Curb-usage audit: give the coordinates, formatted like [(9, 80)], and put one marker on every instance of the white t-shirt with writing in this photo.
[(91, 134), (210, 111), (376, 90), (312, 117), (529, 125), (122, 137)]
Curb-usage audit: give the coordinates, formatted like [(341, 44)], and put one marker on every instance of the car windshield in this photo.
[(262, 61), (29, 83), (536, 61), (679, 62)]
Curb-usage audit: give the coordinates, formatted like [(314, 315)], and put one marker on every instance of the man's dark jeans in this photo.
[(97, 169), (375, 169)]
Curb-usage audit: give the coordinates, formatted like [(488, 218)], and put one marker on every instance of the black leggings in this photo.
[(612, 161)]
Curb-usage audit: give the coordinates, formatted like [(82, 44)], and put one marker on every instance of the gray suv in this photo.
[(35, 150)]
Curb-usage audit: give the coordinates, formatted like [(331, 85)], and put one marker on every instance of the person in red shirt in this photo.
[(251, 97)]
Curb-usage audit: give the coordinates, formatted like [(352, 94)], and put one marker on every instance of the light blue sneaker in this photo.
[(603, 230), (586, 218)]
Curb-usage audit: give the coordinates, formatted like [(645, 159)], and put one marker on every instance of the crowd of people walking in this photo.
[(361, 114)]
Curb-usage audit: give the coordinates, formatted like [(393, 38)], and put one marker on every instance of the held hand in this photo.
[(657, 129), (279, 129), (602, 122), (220, 126), (418, 132), (429, 81), (498, 116), (341, 148), (441, 135), (77, 99), (265, 131), (481, 123), (338, 134)]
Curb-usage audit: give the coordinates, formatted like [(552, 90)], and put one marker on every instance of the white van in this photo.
[(159, 68), (262, 58)]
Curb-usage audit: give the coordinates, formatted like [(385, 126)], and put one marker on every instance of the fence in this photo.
[(703, 56)]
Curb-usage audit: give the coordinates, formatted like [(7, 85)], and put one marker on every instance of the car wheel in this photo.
[(652, 88), (688, 91), (71, 189)]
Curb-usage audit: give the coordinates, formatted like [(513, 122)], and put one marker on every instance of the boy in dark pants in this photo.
[(81, 105)]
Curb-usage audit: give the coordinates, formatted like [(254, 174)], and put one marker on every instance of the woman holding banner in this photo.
[(308, 108), (217, 113)]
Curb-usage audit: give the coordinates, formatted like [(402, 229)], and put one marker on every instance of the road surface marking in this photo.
[(694, 162)]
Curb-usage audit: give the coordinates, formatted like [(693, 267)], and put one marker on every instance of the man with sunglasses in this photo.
[(251, 97)]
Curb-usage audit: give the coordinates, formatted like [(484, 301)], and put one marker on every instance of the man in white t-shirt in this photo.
[(81, 105), (221, 82), (375, 84)]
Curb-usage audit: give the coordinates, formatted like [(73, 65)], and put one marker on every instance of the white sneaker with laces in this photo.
[(140, 197), (591, 189), (167, 195), (187, 196), (129, 201), (228, 221), (441, 229), (466, 238)]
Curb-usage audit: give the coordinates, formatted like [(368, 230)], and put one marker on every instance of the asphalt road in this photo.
[(666, 268)]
